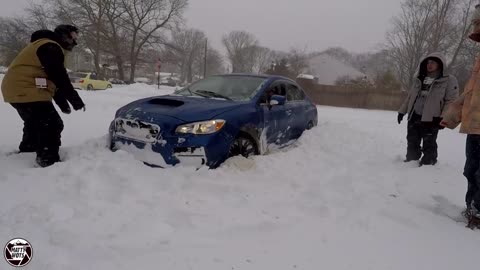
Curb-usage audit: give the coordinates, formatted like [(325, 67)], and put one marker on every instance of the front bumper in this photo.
[(170, 149)]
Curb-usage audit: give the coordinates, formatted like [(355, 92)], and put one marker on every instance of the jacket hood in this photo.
[(44, 33), (422, 68)]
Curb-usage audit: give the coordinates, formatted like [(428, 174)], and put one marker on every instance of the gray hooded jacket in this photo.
[(442, 92)]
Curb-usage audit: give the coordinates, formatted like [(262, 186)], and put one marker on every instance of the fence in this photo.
[(340, 96)]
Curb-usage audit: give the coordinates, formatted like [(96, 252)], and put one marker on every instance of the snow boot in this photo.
[(467, 213), (474, 222), (46, 162), (431, 162), (473, 218)]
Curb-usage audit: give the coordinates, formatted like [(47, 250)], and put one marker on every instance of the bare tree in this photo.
[(265, 58), (242, 48), (89, 16), (297, 60), (114, 35), (14, 36), (215, 64), (426, 26), (121, 29), (463, 26), (185, 49), (406, 41), (143, 19)]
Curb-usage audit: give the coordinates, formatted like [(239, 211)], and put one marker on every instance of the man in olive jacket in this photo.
[(433, 90), (34, 77)]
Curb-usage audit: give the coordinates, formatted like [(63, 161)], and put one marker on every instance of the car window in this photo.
[(277, 88), (294, 93), (93, 76), (77, 75)]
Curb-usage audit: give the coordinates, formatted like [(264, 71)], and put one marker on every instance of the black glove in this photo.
[(75, 100), (62, 102), (436, 122), (400, 117), (67, 110)]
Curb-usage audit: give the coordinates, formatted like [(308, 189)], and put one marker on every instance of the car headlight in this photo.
[(204, 127)]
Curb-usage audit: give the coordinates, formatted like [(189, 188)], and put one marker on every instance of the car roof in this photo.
[(265, 76)]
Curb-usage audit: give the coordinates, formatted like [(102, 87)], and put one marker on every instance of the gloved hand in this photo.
[(400, 117), (62, 102), (73, 98), (67, 110), (78, 105)]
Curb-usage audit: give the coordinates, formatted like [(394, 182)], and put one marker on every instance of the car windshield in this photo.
[(238, 88), (77, 75)]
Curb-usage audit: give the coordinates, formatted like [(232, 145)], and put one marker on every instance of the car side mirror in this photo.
[(277, 100)]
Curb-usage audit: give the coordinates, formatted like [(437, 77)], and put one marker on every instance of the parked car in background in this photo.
[(116, 81), (213, 119), (88, 81), (168, 82), (143, 80)]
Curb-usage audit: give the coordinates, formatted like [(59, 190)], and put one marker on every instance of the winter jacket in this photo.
[(466, 109), (442, 92), (43, 58)]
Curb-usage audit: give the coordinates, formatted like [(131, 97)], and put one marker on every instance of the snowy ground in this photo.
[(339, 198)]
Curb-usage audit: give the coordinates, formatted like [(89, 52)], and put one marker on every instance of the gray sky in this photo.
[(357, 25)]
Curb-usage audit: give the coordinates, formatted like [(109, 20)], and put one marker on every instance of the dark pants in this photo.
[(42, 128), (472, 171), (418, 131)]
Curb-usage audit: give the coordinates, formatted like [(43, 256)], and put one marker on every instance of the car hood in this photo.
[(185, 108)]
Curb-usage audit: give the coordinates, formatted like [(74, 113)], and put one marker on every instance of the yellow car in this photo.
[(88, 81)]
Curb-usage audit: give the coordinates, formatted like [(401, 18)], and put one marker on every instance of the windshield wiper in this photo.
[(211, 94), (192, 93), (181, 90)]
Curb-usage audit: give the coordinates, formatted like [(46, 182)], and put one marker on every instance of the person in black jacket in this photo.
[(32, 82)]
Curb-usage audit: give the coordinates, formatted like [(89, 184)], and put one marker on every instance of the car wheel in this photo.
[(89, 87), (309, 125), (244, 146), (109, 86)]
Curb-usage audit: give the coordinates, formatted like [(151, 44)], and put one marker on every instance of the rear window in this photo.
[(77, 75)]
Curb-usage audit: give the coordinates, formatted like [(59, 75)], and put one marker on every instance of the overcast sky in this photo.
[(357, 25)]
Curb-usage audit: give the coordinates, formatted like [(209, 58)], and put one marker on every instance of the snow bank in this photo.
[(339, 198)]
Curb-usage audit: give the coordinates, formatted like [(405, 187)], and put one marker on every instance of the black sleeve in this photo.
[(61, 102), (52, 59)]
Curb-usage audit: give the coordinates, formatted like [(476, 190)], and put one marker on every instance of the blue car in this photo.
[(213, 119)]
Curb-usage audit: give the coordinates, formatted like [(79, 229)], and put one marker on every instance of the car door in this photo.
[(296, 108), (104, 83), (275, 116), (95, 82)]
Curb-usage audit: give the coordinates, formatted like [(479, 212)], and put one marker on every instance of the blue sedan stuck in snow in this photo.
[(213, 119)]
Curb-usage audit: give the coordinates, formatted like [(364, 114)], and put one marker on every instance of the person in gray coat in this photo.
[(426, 101)]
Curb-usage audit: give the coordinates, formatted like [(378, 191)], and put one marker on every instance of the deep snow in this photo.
[(339, 198)]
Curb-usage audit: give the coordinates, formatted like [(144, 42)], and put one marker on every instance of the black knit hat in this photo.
[(64, 33)]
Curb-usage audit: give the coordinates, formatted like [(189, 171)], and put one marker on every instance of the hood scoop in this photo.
[(166, 102)]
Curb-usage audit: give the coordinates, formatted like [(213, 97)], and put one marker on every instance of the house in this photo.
[(326, 69)]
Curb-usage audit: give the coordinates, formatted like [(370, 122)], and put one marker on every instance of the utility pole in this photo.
[(159, 68), (205, 60)]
